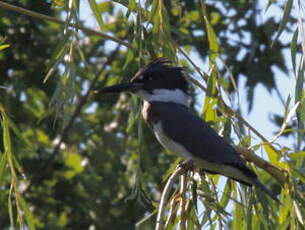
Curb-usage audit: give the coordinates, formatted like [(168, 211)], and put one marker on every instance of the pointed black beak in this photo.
[(123, 87)]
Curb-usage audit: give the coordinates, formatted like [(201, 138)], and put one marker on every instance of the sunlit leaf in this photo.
[(293, 49), (96, 12), (285, 18), (272, 154), (10, 210), (2, 167), (226, 195), (57, 56), (59, 3), (28, 214), (297, 155), (2, 47), (74, 162), (284, 209), (132, 5), (210, 102), (298, 212)]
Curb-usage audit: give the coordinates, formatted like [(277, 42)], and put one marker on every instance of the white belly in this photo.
[(168, 143)]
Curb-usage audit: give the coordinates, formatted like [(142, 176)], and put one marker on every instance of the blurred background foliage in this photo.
[(72, 158)]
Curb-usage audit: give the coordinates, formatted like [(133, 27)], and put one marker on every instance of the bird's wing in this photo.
[(195, 135)]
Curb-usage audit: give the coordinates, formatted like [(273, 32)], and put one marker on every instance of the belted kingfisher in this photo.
[(164, 90)]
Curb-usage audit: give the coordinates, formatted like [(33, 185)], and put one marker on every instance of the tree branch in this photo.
[(183, 217), (164, 198), (87, 30)]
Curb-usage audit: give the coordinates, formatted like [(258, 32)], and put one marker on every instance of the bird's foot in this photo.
[(186, 165)]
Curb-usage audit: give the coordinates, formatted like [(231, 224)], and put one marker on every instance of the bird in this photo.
[(166, 109)]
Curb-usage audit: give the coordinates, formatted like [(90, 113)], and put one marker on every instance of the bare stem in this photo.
[(164, 198), (183, 186), (87, 30)]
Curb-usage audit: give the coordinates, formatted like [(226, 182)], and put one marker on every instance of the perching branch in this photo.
[(86, 30), (165, 194), (183, 187), (172, 213)]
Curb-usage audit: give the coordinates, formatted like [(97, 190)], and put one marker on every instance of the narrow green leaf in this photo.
[(10, 210), (226, 195), (298, 212), (284, 209), (6, 135), (302, 108), (129, 57), (28, 214), (132, 5), (249, 211), (299, 174), (293, 49), (153, 10), (59, 3), (268, 5), (2, 167), (288, 117), (2, 47), (273, 156), (57, 56), (287, 104), (96, 13), (299, 98), (133, 115), (297, 155), (212, 38), (285, 224), (299, 83), (284, 20), (238, 217), (171, 169), (209, 111), (214, 48)]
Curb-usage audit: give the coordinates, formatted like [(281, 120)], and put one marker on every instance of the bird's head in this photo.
[(158, 81)]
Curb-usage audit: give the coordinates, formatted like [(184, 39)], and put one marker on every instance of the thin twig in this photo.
[(139, 223), (217, 202), (183, 186), (164, 198), (172, 210), (203, 75), (87, 30)]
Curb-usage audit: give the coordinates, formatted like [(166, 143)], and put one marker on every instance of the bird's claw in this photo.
[(186, 165)]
